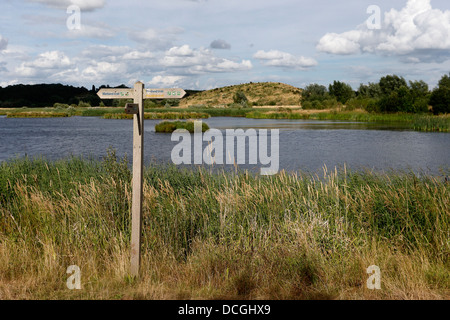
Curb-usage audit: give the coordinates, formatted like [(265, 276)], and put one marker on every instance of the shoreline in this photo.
[(416, 122)]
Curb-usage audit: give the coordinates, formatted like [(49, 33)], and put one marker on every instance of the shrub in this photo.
[(307, 105), (330, 103), (171, 126), (373, 106), (82, 104), (60, 105), (149, 103), (420, 105), (240, 98), (235, 106)]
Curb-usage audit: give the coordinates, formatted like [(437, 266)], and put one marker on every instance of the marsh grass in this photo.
[(171, 126), (159, 115), (37, 114), (221, 235), (417, 122)]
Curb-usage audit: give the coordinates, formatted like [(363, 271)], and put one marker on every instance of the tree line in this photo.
[(45, 95), (391, 94), (49, 95)]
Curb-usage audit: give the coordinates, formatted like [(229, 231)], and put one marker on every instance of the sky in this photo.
[(205, 44)]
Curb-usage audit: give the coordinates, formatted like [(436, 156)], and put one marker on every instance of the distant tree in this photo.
[(315, 92), (440, 100), (445, 81), (342, 91), (371, 90), (391, 83), (419, 89), (40, 95), (399, 100), (440, 97)]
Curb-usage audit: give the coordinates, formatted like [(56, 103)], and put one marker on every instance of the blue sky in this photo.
[(203, 44)]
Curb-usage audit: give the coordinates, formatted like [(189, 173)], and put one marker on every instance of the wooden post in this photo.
[(137, 109), (138, 159)]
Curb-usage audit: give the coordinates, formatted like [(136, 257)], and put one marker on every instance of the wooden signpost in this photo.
[(138, 94)]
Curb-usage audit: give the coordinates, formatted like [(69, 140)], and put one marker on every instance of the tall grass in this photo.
[(171, 126), (37, 115), (221, 235), (417, 122), (159, 115)]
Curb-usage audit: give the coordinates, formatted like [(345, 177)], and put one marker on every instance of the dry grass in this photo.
[(221, 236), (262, 93)]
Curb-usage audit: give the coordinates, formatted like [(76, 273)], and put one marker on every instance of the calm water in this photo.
[(303, 144)]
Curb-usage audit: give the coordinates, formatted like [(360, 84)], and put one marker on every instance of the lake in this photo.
[(307, 145)]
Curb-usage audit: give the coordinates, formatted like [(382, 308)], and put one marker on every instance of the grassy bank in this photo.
[(419, 122), (159, 115), (37, 115), (289, 236)]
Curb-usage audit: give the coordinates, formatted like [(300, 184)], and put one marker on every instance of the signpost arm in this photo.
[(138, 159)]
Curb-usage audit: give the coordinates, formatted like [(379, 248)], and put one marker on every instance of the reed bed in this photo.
[(159, 115), (416, 122), (37, 115), (223, 235), (171, 126)]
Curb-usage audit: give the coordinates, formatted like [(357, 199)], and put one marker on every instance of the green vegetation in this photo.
[(412, 121), (221, 236), (43, 95), (37, 115), (240, 99), (171, 126), (341, 91), (159, 115), (391, 94), (440, 97), (391, 99)]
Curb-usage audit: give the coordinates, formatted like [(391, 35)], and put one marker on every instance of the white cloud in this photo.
[(183, 51), (45, 64), (87, 5), (417, 29), (200, 61), (98, 70), (165, 80), (90, 31), (275, 58), (138, 55), (157, 39), (345, 43)]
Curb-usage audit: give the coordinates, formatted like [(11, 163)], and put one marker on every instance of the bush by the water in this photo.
[(171, 126)]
